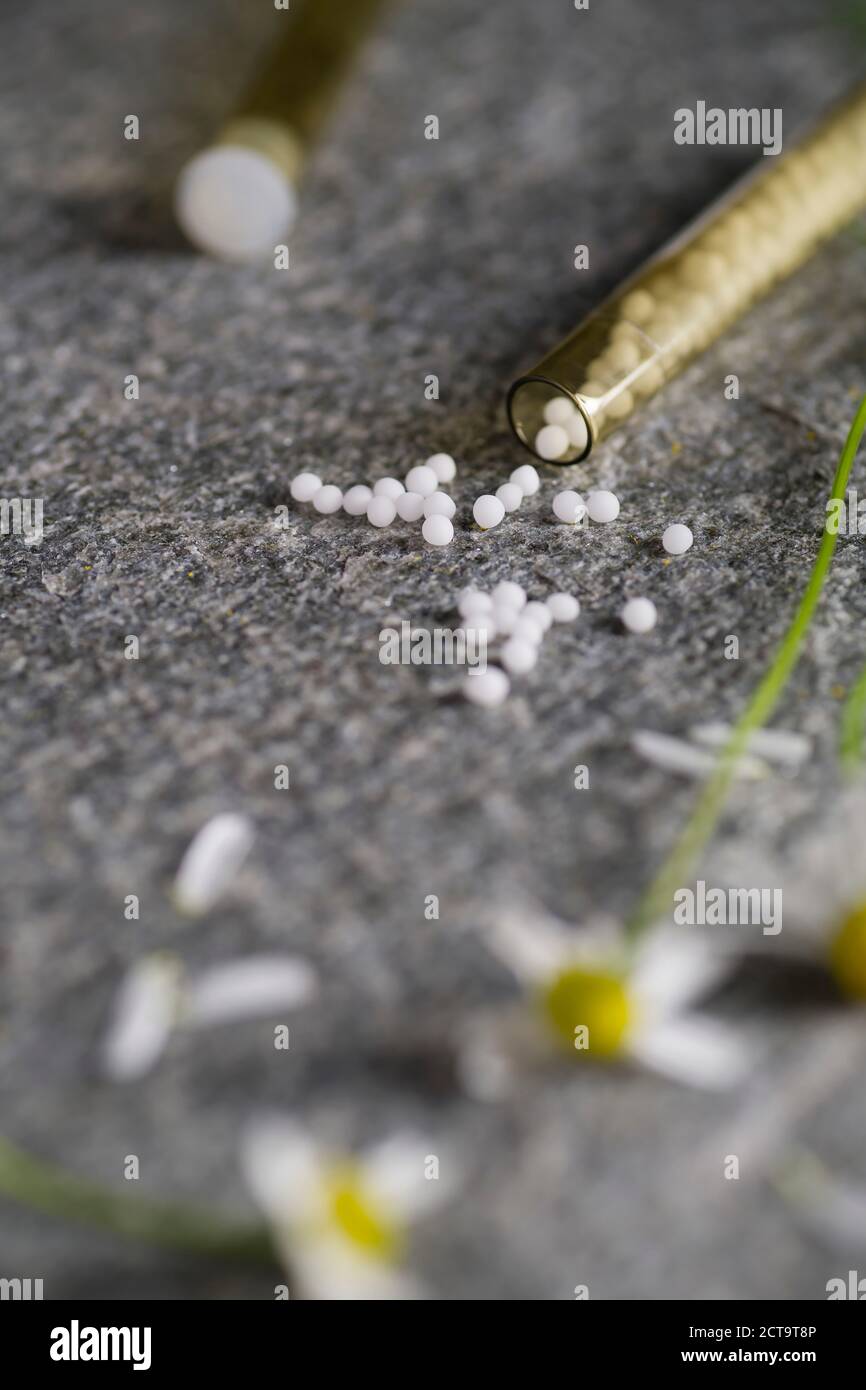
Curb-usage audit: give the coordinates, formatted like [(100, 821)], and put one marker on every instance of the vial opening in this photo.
[(549, 421)]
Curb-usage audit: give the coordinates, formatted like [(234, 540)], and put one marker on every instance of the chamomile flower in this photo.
[(595, 1000), (341, 1222), (156, 998)]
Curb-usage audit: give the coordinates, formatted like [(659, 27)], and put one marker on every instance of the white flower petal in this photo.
[(249, 988), (145, 1013), (330, 1269), (670, 972), (395, 1176), (211, 862), (676, 755), (692, 1050), (283, 1170), (776, 745), (532, 946)]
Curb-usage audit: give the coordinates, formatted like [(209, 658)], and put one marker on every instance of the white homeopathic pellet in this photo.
[(639, 615), (551, 442), (488, 511), (438, 530), (388, 487), (569, 506), (510, 495), (602, 506), (305, 486), (381, 511), (526, 478), (421, 479), (564, 608), (506, 618), (328, 499), (677, 539), (443, 466), (528, 630), (410, 506), (439, 504), (578, 434), (473, 601), (487, 688), (518, 656), (558, 411), (357, 499), (538, 613), (507, 592)]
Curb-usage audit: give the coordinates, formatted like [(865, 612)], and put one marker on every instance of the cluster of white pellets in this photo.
[(601, 507), (418, 498), (490, 509), (564, 430), (518, 624)]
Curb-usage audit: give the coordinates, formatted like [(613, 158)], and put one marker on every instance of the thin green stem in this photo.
[(34, 1183), (677, 867), (853, 726)]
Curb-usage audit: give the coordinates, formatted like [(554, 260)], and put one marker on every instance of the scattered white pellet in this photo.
[(357, 499), (481, 626), (507, 592), (488, 511), (538, 613), (602, 506), (564, 608), (410, 506), (528, 630), (381, 511), (211, 862), (487, 688), (422, 479), (473, 601), (438, 530), (639, 615), (328, 499), (558, 411), (677, 539), (388, 487), (443, 466), (551, 442), (526, 478), (518, 656), (578, 434), (305, 486), (439, 504), (569, 506), (506, 618), (510, 495)]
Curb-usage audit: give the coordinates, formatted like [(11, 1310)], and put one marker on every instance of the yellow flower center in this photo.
[(358, 1216), (847, 953), (589, 1010)]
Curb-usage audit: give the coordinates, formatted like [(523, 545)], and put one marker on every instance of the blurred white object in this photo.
[(235, 203), (211, 862), (145, 1014)]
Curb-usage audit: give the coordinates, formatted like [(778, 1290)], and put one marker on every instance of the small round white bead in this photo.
[(677, 539), (558, 411), (519, 657), (410, 506), (438, 530), (488, 511), (483, 626), (439, 504), (639, 615), (328, 500), (305, 486), (564, 608), (443, 466), (357, 499), (487, 688), (578, 434), (510, 495), (602, 506), (381, 511), (473, 601), (551, 442), (505, 618), (569, 506), (421, 479), (528, 630), (538, 613), (507, 592), (526, 478), (388, 487)]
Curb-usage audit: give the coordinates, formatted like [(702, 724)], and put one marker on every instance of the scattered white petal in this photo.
[(249, 988), (692, 1050), (776, 745), (145, 1014), (676, 755), (211, 862)]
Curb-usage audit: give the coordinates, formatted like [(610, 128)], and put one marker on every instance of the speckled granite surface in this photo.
[(259, 646)]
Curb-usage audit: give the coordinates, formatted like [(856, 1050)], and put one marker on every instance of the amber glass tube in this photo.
[(685, 296)]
